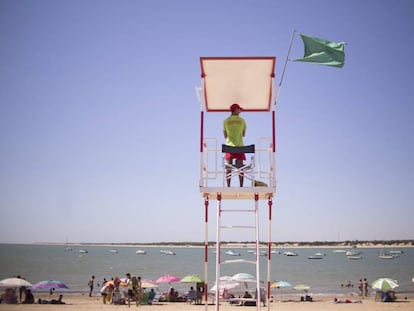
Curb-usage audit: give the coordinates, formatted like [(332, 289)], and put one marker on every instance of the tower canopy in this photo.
[(247, 81)]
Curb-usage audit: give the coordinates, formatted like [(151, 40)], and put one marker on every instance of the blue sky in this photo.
[(99, 121)]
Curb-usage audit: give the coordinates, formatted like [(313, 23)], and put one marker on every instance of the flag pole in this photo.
[(284, 67)]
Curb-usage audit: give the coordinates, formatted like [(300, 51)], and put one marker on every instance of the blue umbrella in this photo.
[(281, 284), (50, 284)]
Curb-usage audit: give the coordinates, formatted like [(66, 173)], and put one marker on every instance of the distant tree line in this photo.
[(347, 243)]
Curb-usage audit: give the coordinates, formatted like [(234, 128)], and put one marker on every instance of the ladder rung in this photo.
[(238, 210), (238, 227), (238, 261)]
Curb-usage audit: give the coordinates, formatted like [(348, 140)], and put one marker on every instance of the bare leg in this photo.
[(239, 163), (228, 171)]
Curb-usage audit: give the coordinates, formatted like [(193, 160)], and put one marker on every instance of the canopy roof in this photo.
[(247, 81)]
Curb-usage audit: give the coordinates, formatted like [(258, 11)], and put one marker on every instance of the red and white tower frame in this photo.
[(248, 81)]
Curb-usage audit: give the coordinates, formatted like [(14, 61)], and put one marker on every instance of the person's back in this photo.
[(234, 127), (29, 299), (192, 295)]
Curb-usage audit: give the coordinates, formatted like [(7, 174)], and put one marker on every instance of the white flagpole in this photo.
[(284, 67)]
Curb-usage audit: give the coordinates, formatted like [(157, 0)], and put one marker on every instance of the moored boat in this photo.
[(232, 253)]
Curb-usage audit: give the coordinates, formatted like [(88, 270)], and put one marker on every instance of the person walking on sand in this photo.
[(234, 129), (90, 284)]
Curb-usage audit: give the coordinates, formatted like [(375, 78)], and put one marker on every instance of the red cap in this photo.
[(234, 107)]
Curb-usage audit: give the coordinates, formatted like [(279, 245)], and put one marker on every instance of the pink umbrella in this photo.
[(168, 278)]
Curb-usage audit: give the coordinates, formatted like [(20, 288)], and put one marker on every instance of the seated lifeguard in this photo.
[(234, 129)]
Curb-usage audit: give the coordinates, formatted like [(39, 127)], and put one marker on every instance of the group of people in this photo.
[(363, 287), (122, 291), (9, 296)]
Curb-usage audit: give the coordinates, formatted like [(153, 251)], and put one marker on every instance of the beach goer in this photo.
[(106, 292), (90, 284), (29, 298), (234, 129), (247, 295), (151, 296), (9, 296), (360, 287), (172, 295), (132, 288), (192, 295), (347, 300), (138, 291), (58, 301), (365, 287)]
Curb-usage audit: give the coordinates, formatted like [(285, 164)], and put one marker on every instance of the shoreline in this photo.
[(82, 302), (340, 245)]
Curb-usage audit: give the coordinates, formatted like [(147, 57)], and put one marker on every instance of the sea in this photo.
[(325, 276)]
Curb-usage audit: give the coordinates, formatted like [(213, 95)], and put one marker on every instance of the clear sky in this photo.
[(99, 121)]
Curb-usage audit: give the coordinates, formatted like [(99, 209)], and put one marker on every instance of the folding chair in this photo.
[(246, 170)]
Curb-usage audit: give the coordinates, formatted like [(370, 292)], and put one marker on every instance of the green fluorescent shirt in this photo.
[(234, 127)]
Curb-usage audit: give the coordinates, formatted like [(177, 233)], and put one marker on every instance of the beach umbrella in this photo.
[(226, 282), (243, 277), (384, 284), (279, 284), (192, 278), (168, 278), (303, 287), (14, 282), (50, 284), (225, 285), (148, 284)]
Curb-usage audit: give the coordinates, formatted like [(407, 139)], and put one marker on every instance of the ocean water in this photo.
[(325, 276)]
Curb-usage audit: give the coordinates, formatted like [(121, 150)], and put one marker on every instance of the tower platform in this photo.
[(238, 193)]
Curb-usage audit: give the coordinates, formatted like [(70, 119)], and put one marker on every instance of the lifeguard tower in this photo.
[(249, 82)]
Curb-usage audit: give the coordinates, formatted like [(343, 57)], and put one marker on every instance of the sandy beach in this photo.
[(81, 302)]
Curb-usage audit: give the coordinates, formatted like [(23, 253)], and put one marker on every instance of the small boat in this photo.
[(83, 251), (273, 251), (114, 251), (354, 257), (339, 251), (396, 252), (317, 256), (384, 255), (231, 253), (352, 253), (169, 252), (140, 252), (68, 248), (290, 253)]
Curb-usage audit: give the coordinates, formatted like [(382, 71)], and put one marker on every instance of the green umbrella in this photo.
[(192, 278), (384, 284)]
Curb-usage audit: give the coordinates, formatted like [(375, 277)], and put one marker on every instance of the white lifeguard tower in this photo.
[(249, 82)]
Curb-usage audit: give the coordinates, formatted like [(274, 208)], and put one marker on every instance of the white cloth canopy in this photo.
[(247, 81)]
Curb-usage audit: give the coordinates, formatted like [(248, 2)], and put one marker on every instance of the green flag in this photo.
[(323, 52)]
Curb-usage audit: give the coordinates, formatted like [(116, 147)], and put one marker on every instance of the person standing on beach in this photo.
[(234, 129), (365, 287), (139, 291), (90, 284), (360, 287)]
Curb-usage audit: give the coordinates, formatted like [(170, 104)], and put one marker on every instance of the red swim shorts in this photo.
[(237, 156)]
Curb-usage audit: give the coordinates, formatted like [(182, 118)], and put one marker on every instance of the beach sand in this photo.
[(79, 302)]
